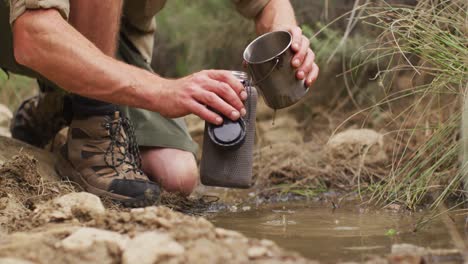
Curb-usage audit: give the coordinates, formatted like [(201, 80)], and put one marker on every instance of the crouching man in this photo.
[(99, 52)]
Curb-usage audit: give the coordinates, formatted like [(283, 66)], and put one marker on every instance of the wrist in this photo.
[(150, 89), (276, 15)]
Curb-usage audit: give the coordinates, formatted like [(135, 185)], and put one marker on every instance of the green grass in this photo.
[(429, 40)]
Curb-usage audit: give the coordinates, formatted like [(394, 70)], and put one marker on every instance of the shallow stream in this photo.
[(349, 233)]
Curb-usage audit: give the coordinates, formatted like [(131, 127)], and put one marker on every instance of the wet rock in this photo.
[(15, 261), (357, 145), (80, 205), (150, 247), (224, 233)]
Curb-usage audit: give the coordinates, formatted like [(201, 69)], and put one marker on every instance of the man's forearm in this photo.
[(47, 44), (277, 13)]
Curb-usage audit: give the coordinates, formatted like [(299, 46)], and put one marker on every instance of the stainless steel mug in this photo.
[(227, 154), (268, 59)]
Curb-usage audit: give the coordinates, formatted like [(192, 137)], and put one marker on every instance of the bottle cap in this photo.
[(229, 134)]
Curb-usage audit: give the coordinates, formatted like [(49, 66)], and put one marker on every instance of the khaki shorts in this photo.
[(135, 47)]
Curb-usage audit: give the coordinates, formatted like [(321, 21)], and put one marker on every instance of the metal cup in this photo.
[(268, 59)]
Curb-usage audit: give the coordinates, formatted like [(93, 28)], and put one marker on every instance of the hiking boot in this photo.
[(102, 156), (38, 119)]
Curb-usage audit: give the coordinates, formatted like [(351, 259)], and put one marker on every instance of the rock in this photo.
[(267, 243), (393, 207), (357, 145), (88, 245), (150, 247), (72, 205), (257, 252), (15, 261), (85, 238), (224, 233)]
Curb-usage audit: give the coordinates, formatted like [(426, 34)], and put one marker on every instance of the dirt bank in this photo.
[(45, 220), (76, 228)]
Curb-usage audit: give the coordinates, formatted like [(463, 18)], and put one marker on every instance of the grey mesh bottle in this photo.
[(227, 155)]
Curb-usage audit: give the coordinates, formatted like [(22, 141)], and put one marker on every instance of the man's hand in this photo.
[(304, 59), (205, 94), (279, 15)]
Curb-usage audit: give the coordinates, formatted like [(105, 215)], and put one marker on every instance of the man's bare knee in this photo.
[(182, 177), (175, 170)]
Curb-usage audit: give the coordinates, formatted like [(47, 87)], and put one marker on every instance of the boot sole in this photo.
[(65, 169)]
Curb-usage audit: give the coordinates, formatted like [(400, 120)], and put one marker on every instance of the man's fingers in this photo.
[(306, 66), (226, 93), (301, 54), (227, 77), (313, 75), (296, 33), (216, 103), (204, 113)]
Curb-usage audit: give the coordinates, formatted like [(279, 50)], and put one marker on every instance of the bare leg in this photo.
[(98, 21), (176, 170)]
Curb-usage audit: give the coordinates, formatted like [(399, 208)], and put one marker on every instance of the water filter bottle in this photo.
[(227, 155)]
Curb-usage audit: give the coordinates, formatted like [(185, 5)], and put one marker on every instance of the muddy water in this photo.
[(344, 234)]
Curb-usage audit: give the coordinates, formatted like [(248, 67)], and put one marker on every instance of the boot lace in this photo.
[(123, 150)]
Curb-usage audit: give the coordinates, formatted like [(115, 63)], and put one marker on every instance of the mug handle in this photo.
[(268, 74)]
